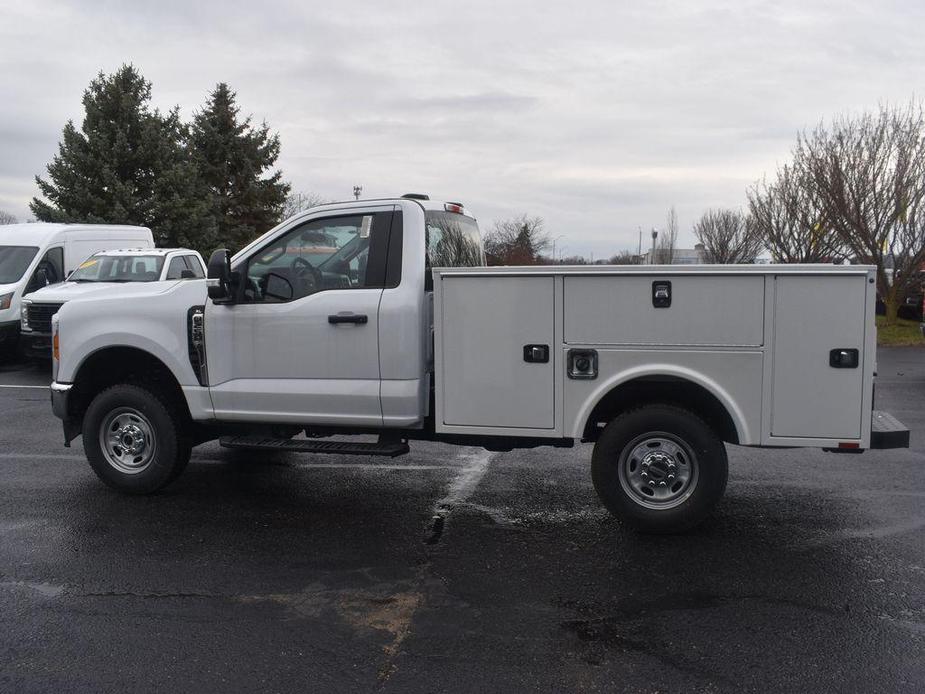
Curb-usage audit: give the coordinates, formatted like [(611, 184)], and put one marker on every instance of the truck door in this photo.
[(300, 343)]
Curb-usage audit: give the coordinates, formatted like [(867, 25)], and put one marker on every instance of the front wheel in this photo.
[(133, 440), (659, 468)]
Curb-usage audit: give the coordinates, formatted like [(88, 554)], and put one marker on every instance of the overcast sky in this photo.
[(595, 115)]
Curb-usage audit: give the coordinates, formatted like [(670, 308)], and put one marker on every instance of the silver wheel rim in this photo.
[(127, 440), (658, 470)]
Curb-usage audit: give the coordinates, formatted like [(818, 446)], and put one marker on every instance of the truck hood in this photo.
[(65, 291)]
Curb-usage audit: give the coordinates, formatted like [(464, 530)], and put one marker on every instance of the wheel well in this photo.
[(662, 389), (113, 365)]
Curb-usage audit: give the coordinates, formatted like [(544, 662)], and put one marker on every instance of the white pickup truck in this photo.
[(378, 317)]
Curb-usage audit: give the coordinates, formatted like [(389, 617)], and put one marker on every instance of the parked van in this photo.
[(35, 255)]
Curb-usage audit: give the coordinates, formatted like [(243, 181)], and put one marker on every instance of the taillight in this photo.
[(454, 207)]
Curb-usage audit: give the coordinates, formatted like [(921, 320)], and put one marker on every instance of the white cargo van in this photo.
[(376, 317), (35, 255)]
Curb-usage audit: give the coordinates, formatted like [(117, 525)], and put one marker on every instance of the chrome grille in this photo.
[(40, 316)]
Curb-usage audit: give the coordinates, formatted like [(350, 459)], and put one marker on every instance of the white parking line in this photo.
[(465, 483), (371, 466), (37, 456), (366, 467), (12, 386)]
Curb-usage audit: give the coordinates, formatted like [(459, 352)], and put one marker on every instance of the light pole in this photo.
[(554, 241), (654, 236), (357, 190)]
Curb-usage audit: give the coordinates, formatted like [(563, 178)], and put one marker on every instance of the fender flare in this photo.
[(672, 371)]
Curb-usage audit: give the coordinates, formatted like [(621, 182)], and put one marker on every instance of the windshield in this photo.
[(119, 268), (13, 262), (453, 240)]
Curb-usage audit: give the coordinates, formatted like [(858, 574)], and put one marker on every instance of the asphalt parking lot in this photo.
[(327, 574)]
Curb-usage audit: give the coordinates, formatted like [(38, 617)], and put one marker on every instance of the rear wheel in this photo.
[(659, 468), (134, 441)]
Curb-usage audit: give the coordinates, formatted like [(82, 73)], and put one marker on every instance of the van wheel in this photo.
[(659, 469), (134, 441)]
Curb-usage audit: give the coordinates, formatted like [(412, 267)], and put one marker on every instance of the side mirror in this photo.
[(278, 287), (219, 276)]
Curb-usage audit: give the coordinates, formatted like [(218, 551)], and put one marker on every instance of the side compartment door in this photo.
[(814, 315), (301, 343), (490, 376)]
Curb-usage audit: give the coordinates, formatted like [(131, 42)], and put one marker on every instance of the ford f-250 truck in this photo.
[(378, 317)]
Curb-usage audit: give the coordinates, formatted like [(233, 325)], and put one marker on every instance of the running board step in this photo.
[(390, 449)]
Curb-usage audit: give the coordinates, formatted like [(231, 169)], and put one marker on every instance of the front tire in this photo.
[(659, 469), (134, 441)]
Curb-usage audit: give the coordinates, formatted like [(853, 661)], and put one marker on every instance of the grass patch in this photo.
[(903, 334)]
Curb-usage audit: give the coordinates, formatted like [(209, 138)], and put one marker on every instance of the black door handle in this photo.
[(536, 354), (357, 318)]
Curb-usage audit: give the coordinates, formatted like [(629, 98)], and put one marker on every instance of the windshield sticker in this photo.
[(364, 228)]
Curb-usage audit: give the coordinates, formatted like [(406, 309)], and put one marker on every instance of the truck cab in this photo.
[(102, 271), (322, 321)]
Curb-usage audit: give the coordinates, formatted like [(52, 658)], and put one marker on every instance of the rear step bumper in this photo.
[(389, 449), (887, 432)]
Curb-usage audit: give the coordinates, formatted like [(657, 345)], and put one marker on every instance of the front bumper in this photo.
[(36, 344), (887, 432), (60, 393), (9, 332), (59, 396)]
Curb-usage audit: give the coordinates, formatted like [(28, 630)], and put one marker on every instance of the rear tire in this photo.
[(135, 442), (659, 469)]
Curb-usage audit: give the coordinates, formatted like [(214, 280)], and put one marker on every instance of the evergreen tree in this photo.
[(127, 164), (234, 159)]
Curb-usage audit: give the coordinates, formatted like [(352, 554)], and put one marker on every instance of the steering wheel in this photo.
[(308, 275)]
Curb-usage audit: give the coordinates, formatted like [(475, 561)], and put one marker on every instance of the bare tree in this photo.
[(298, 202), (789, 217), (517, 241), (7, 218), (624, 258), (667, 240), (728, 237), (868, 171)]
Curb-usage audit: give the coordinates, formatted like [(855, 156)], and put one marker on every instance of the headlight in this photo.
[(24, 316), (5, 301)]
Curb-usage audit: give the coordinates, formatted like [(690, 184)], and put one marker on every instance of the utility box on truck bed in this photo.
[(787, 350)]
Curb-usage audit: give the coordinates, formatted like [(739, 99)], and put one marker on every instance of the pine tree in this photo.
[(234, 159), (127, 164)]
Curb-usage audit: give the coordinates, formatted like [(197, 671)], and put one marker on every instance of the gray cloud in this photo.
[(596, 115)]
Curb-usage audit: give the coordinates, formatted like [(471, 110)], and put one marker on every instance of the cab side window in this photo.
[(50, 270), (195, 265), (346, 252), (176, 268)]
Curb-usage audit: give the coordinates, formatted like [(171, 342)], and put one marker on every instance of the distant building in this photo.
[(681, 256)]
